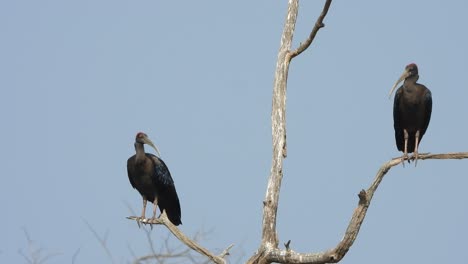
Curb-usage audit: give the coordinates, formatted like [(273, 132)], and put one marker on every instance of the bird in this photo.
[(150, 176), (412, 108)]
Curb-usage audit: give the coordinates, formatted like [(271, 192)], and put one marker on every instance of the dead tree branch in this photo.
[(102, 241), (278, 119), (181, 254), (365, 197), (166, 253), (318, 25), (169, 253), (163, 220), (35, 254)]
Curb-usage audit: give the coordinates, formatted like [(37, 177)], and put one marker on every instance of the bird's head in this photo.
[(142, 138), (411, 70)]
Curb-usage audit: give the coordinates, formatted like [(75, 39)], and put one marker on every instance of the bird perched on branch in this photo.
[(412, 109), (151, 177)]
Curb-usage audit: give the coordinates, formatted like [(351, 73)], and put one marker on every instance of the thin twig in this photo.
[(170, 255), (150, 241), (318, 25), (226, 251), (163, 220), (102, 241), (75, 255), (34, 255)]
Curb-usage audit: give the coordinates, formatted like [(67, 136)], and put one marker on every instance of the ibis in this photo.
[(150, 176), (412, 109)]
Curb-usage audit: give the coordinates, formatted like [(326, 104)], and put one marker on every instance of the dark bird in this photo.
[(151, 177), (412, 109)]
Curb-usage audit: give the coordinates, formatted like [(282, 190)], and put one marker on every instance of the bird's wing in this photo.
[(399, 137), (161, 176), (167, 194), (428, 106), (130, 172)]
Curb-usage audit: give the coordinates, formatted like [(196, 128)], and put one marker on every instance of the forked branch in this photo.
[(278, 119), (318, 25), (365, 197), (163, 220)]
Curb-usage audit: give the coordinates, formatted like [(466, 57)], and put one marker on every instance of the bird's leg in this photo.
[(155, 202), (405, 152), (144, 208), (416, 154)]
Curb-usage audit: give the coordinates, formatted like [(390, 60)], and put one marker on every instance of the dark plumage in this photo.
[(151, 177), (412, 110)]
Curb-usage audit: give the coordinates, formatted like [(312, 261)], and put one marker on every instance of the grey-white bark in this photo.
[(269, 242)]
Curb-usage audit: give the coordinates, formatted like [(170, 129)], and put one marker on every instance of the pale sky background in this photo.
[(80, 78)]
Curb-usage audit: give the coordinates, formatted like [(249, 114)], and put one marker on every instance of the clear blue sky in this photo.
[(80, 78)]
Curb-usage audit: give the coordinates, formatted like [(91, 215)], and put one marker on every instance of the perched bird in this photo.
[(412, 109), (151, 177)]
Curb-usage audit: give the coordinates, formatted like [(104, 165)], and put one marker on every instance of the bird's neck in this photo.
[(412, 79), (140, 152)]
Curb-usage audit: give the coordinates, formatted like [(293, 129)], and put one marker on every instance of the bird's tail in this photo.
[(170, 202)]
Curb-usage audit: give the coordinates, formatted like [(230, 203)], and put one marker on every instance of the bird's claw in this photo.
[(140, 220), (415, 157), (403, 158), (151, 222)]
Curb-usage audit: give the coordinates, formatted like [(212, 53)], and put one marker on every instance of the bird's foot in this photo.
[(143, 219), (403, 158), (151, 221), (415, 157), (140, 220)]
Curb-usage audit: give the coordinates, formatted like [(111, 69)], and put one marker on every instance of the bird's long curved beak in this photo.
[(402, 77), (150, 143)]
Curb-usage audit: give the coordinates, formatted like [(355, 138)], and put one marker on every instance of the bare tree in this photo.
[(269, 250)]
